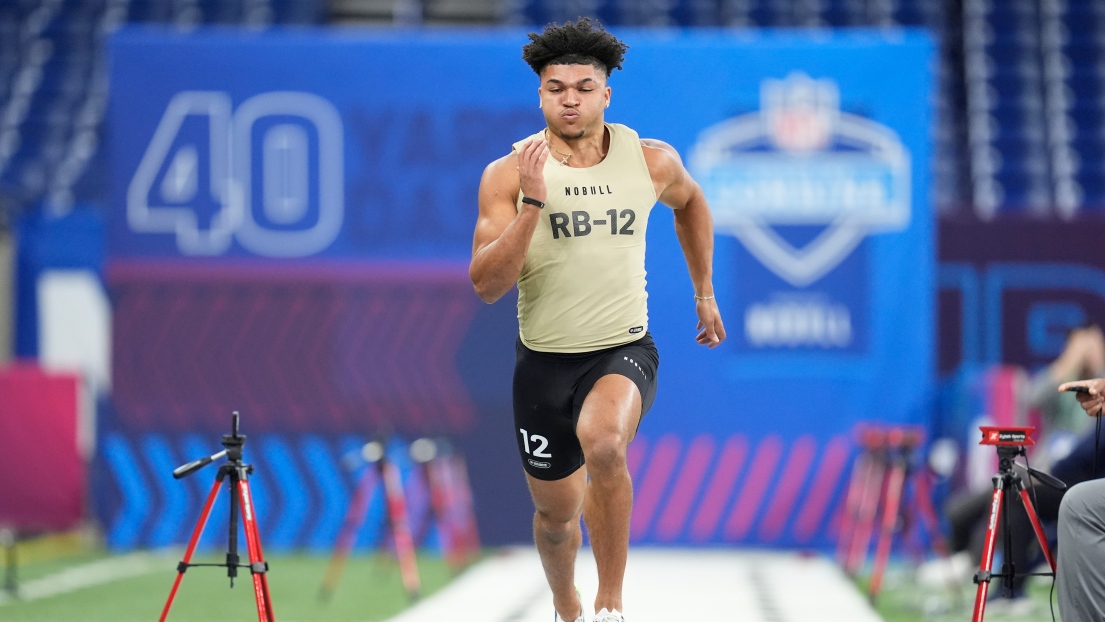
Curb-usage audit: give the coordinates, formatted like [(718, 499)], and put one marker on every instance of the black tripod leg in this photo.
[(1008, 566), (232, 558)]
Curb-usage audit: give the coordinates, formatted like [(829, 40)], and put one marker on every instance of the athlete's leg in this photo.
[(607, 422), (557, 534)]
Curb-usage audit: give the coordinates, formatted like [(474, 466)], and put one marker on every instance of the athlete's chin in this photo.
[(571, 131)]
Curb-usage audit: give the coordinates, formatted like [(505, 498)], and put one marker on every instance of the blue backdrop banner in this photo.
[(278, 195)]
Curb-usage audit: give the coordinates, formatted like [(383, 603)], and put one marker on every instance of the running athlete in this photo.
[(564, 216)]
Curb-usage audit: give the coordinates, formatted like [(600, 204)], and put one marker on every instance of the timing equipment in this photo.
[(240, 500), (1010, 443)]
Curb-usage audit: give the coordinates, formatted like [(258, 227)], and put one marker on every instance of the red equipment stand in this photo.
[(400, 527), (240, 500), (1010, 443), (882, 471), (354, 518), (862, 499), (450, 506), (398, 523), (462, 512)]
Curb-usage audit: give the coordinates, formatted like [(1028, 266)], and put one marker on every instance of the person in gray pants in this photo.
[(1080, 564)]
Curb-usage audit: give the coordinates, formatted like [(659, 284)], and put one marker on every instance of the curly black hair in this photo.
[(581, 43)]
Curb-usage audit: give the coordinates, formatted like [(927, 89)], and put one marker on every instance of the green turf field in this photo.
[(120, 588), (370, 589), (902, 600)]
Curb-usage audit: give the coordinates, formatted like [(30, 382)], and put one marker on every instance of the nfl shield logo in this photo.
[(800, 112)]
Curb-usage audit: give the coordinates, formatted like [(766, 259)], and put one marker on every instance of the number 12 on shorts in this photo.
[(541, 443)]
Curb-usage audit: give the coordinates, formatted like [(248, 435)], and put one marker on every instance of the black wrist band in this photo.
[(539, 204)]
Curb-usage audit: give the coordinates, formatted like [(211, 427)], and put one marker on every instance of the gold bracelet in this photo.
[(697, 297)]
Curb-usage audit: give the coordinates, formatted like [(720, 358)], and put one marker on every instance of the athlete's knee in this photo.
[(605, 453), (555, 528)]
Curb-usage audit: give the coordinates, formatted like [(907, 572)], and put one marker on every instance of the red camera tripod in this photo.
[(240, 498), (1010, 443)]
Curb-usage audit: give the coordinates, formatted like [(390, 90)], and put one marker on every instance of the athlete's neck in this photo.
[(582, 151)]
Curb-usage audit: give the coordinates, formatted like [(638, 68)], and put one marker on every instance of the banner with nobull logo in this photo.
[(292, 224)]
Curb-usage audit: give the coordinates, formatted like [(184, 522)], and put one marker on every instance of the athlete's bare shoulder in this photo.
[(501, 175), (664, 164), (652, 145), (662, 159), (503, 165)]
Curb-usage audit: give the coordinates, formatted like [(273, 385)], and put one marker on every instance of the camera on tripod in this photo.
[(1010, 443)]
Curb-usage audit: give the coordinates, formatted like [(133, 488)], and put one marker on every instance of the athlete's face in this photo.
[(573, 98)]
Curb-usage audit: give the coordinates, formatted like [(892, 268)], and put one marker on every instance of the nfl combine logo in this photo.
[(801, 183)]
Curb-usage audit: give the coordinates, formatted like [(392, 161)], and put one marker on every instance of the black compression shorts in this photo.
[(549, 389)]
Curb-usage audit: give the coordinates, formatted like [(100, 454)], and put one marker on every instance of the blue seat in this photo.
[(20, 169), (1081, 54), (921, 13), (1014, 79), (36, 132), (841, 15), (697, 13), (1089, 38), (1016, 89), (539, 13), (1093, 190), (1086, 73), (220, 11), (1086, 133), (1008, 22), (299, 11), (93, 182), (1083, 13), (151, 11), (632, 13), (1088, 113), (1005, 52), (1017, 121), (1091, 154), (1083, 27), (1016, 146), (1087, 90), (1023, 193), (768, 16), (1023, 168)]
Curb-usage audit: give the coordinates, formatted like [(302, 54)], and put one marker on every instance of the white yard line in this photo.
[(660, 585), (88, 575)]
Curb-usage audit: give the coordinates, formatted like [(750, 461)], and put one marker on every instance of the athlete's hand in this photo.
[(531, 167), (1092, 400), (711, 330)]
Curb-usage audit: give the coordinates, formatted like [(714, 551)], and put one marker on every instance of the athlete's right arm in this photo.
[(503, 232)]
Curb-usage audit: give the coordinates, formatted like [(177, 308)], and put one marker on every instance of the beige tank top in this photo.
[(582, 286)]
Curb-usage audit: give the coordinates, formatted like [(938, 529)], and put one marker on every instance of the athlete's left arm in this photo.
[(695, 229)]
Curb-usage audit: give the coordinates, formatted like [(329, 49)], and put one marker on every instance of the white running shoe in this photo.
[(608, 616), (582, 614)]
